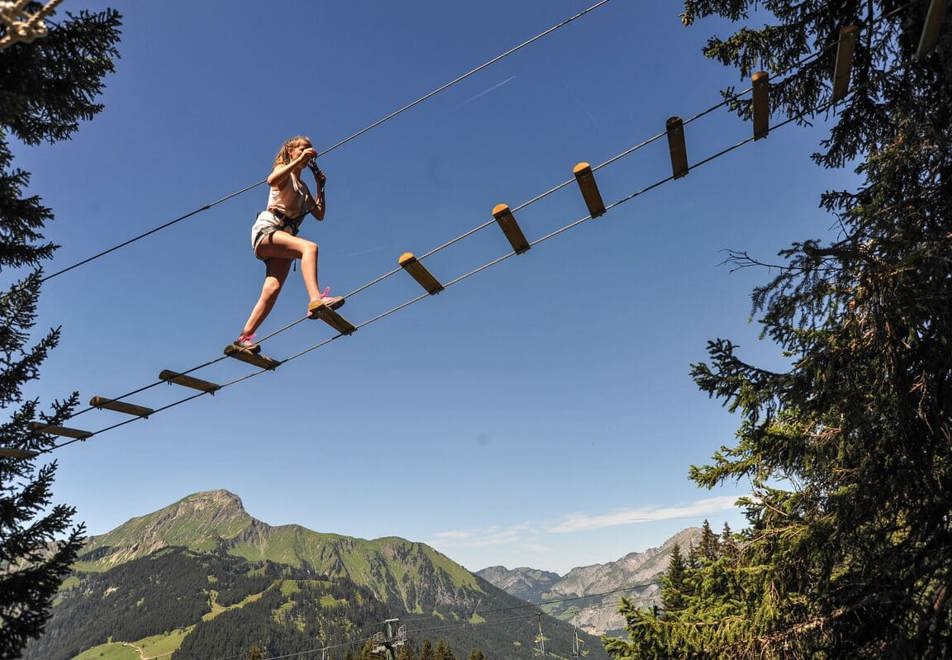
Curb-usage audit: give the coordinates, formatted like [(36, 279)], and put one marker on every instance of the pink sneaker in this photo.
[(326, 300), (246, 344)]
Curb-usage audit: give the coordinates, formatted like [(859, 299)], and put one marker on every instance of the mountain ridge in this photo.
[(637, 574), (203, 578), (216, 520), (523, 582)]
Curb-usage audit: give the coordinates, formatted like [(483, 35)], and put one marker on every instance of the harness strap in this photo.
[(287, 221)]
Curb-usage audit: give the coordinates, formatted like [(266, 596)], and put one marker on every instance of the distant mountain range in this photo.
[(636, 576), (203, 579), (529, 584)]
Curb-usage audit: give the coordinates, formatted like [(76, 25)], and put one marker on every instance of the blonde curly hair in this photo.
[(283, 157)]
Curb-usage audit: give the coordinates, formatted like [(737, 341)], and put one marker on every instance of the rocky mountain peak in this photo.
[(220, 500), (197, 521), (637, 573), (523, 582), (216, 512)]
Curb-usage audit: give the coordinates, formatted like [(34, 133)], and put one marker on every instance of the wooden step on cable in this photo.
[(102, 402), (931, 27), (589, 189), (844, 61), (18, 454), (677, 147), (419, 272), (331, 318), (507, 222), (188, 381), (64, 431), (256, 359), (761, 109)]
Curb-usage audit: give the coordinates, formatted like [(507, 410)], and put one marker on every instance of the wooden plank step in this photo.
[(844, 61), (13, 452), (930, 29), (120, 406), (188, 381), (507, 222), (586, 183), (761, 111), (64, 431), (329, 315), (677, 147), (256, 359), (419, 272)]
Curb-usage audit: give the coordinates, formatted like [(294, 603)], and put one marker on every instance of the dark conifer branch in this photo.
[(849, 548), (49, 85)]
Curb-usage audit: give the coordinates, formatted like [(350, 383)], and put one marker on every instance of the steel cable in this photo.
[(340, 143)]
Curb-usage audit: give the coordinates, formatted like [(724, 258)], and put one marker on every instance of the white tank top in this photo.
[(291, 198)]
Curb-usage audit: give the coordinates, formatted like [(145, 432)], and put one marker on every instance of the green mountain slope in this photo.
[(195, 522), (203, 579), (216, 521)]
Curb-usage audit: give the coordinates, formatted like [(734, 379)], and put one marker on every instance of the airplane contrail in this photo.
[(486, 91)]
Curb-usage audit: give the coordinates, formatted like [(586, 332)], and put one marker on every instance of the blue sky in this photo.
[(540, 413)]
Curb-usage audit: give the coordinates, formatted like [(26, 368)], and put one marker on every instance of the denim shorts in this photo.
[(265, 225)]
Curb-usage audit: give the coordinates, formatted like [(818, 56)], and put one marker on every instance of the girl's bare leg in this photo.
[(282, 245), (277, 272)]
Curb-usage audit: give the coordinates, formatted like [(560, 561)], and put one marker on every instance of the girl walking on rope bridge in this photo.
[(274, 234)]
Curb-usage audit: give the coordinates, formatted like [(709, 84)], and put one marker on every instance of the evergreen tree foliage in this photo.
[(728, 544), (694, 555), (672, 583), (848, 552), (46, 88), (426, 650), (476, 654), (366, 652), (443, 652), (708, 543)]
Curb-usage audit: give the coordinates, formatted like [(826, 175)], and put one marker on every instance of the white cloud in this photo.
[(454, 535), (537, 548), (580, 522), (484, 537), (528, 536)]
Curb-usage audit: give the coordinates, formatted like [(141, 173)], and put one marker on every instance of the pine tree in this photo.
[(672, 584), (48, 86), (708, 543), (256, 652), (443, 651), (849, 548), (694, 556), (366, 651), (426, 651), (728, 544)]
